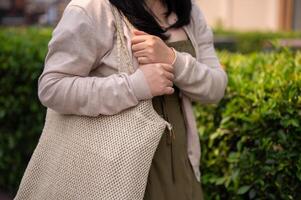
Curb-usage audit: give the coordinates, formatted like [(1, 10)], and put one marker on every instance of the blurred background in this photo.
[(266, 15), (251, 140), (29, 12)]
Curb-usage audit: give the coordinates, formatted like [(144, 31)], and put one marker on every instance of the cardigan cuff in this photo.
[(174, 51), (140, 86), (178, 64)]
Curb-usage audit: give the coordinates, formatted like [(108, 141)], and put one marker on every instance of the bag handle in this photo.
[(125, 61)]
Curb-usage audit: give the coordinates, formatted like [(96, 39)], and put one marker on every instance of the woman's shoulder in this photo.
[(89, 5), (198, 23), (95, 9), (197, 16), (87, 20)]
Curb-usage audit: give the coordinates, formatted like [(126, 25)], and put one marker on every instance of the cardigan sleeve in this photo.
[(200, 79), (74, 49)]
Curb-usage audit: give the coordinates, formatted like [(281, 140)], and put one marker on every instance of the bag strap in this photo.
[(125, 61)]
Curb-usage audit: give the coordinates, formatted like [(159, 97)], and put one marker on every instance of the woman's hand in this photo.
[(151, 49), (159, 77)]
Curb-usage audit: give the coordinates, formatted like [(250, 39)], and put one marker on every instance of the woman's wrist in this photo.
[(172, 57)]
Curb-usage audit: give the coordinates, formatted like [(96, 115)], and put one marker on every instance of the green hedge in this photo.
[(22, 53), (248, 42), (250, 141)]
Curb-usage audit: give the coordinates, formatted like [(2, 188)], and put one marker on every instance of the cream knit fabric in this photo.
[(105, 157)]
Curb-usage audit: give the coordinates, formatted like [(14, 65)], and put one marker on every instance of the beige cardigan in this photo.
[(80, 69)]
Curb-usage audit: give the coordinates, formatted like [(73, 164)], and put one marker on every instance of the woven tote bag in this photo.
[(104, 157)]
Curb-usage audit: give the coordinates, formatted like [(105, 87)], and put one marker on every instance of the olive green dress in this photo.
[(171, 176)]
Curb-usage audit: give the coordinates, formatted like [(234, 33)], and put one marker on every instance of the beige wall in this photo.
[(242, 14)]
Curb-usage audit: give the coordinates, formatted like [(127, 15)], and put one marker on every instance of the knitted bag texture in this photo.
[(104, 157)]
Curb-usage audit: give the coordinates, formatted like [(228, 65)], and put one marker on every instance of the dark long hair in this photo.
[(142, 18)]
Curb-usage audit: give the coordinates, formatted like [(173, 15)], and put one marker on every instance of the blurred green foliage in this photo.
[(22, 53), (250, 42), (250, 141)]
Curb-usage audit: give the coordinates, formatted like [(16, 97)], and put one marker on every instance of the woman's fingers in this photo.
[(169, 90), (139, 46), (143, 60), (160, 80), (169, 76), (158, 51), (169, 83), (168, 67), (139, 38), (137, 32), (141, 54)]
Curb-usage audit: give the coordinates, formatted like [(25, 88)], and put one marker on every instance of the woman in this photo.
[(175, 62)]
